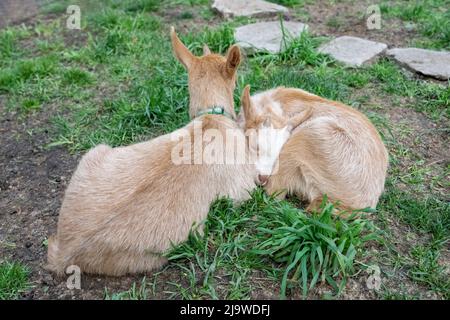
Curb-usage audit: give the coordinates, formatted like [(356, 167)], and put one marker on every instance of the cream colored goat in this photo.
[(337, 151), (125, 206)]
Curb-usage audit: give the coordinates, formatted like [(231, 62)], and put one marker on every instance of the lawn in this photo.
[(116, 81)]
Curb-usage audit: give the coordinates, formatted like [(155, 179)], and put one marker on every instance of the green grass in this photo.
[(432, 18), (186, 15), (75, 76), (317, 248), (392, 295), (136, 292), (27, 70), (335, 22), (430, 215), (142, 5), (295, 249), (10, 48), (30, 104), (220, 252), (427, 270), (127, 47), (144, 104), (288, 3), (218, 39), (54, 7), (13, 280), (430, 98)]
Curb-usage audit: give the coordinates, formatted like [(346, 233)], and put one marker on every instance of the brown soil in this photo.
[(426, 140), (350, 18)]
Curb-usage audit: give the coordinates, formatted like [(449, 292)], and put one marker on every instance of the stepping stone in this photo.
[(250, 8), (352, 51), (267, 36), (428, 62)]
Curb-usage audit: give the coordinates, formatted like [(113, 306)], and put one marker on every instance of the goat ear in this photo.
[(247, 103), (206, 50), (179, 49), (297, 120), (233, 59), (240, 120)]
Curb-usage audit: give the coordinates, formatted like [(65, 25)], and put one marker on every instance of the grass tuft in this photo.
[(429, 215), (24, 70), (142, 5), (134, 293), (288, 3), (431, 16), (13, 280), (428, 270), (276, 238), (218, 39), (315, 248), (297, 51), (74, 76)]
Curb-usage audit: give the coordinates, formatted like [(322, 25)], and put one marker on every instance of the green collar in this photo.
[(215, 110)]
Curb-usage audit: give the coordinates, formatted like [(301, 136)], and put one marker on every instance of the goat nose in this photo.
[(263, 179)]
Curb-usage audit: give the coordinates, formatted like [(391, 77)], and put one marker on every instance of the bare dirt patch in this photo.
[(428, 141), (339, 18), (32, 183)]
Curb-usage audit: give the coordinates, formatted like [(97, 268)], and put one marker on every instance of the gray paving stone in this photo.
[(428, 62), (267, 36), (352, 51), (250, 8)]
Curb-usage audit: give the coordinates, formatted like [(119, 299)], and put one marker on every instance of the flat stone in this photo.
[(428, 62), (267, 36), (249, 8), (352, 51)]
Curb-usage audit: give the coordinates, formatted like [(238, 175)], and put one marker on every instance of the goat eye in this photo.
[(258, 148)]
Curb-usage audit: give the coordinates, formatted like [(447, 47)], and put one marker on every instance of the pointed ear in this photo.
[(297, 120), (240, 120), (181, 52), (206, 50), (247, 103), (233, 59)]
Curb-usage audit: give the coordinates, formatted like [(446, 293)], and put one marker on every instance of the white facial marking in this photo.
[(270, 141)]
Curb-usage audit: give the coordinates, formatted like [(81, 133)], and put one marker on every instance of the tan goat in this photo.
[(125, 206), (337, 151)]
